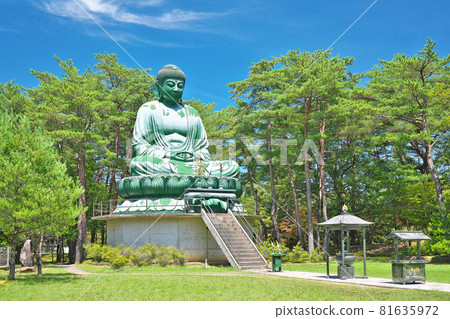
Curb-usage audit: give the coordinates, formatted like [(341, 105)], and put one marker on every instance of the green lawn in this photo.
[(194, 268), (191, 283), (377, 268)]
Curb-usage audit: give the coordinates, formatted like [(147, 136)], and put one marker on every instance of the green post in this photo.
[(396, 249), (418, 250), (348, 240), (327, 252), (364, 251), (343, 247)]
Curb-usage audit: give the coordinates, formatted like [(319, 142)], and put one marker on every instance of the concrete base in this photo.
[(346, 272), (185, 231)]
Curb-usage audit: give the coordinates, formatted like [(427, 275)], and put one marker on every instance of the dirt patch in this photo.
[(440, 260)]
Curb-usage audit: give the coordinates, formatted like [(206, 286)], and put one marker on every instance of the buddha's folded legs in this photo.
[(149, 165), (229, 168)]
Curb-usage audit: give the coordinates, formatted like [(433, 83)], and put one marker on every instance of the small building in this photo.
[(202, 233), (345, 223), (409, 270)]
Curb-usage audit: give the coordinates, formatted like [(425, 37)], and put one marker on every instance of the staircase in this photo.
[(237, 246)]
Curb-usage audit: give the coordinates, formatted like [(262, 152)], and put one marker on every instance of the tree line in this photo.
[(325, 137), (381, 138)]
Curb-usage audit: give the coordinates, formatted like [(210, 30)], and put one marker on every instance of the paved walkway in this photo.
[(376, 282), (74, 270)]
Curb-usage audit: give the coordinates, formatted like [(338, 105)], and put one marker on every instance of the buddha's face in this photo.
[(172, 90)]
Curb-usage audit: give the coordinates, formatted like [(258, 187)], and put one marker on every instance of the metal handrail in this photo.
[(224, 234), (98, 206), (251, 232), (222, 230)]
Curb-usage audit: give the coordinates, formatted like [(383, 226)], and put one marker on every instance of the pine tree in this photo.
[(70, 109), (37, 193), (401, 92)]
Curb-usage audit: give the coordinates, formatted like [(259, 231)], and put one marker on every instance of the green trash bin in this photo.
[(276, 261)]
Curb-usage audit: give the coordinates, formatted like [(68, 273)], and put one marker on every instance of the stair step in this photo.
[(253, 257), (237, 241), (248, 257), (231, 230), (254, 267), (251, 265), (247, 251), (241, 255), (241, 246), (232, 235), (241, 250), (250, 260)]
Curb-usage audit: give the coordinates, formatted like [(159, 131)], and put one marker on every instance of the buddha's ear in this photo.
[(158, 89)]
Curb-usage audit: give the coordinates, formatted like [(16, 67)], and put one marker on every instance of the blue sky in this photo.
[(214, 42)]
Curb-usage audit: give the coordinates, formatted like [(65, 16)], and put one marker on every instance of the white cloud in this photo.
[(9, 30), (99, 6), (148, 3), (66, 9), (118, 11), (135, 39), (175, 19)]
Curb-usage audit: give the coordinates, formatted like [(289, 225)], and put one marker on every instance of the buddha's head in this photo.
[(170, 84)]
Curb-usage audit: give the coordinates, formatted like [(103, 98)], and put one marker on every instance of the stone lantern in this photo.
[(345, 222)]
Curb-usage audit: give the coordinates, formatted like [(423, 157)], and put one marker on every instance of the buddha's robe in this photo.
[(173, 141)]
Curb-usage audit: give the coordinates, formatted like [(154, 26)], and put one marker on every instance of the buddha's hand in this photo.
[(183, 156)]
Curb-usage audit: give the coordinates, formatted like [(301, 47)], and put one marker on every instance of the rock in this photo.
[(26, 256), (27, 269)]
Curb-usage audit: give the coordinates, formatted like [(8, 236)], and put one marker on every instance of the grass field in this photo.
[(189, 283), (191, 268)]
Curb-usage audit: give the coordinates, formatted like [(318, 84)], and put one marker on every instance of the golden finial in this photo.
[(344, 208)]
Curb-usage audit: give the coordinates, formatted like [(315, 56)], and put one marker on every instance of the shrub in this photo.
[(178, 256), (275, 248), (412, 250), (125, 250), (145, 255), (149, 253), (440, 230), (440, 247), (96, 251), (298, 255), (163, 256), (137, 258), (116, 258), (163, 260), (317, 257), (294, 255)]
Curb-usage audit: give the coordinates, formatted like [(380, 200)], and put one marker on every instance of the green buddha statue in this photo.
[(170, 147), (169, 136)]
